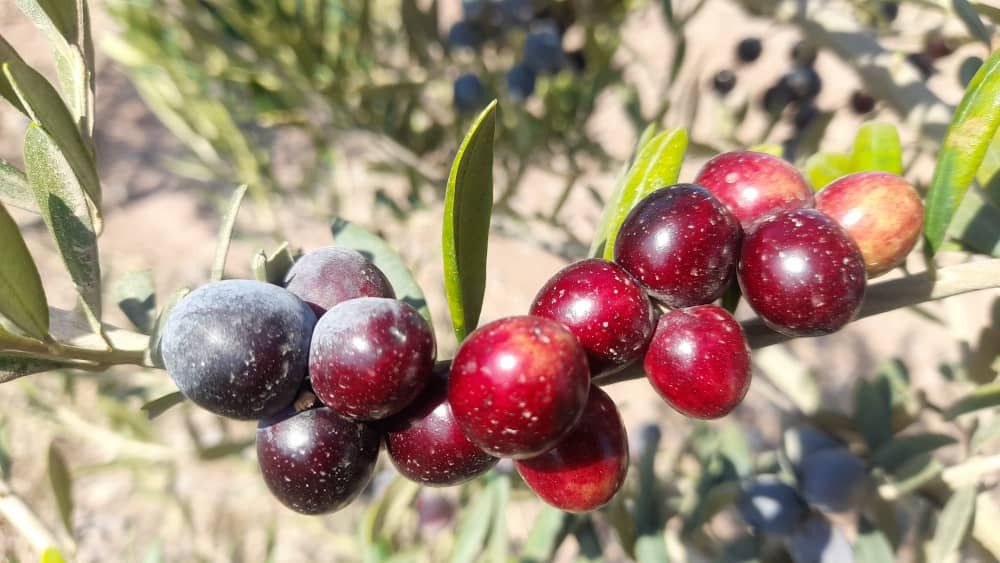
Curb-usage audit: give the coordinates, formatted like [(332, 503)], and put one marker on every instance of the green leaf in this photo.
[(973, 127), (988, 174), (378, 252), (499, 541), (773, 150), (547, 532), (382, 518), (65, 211), (913, 474), (591, 546), (985, 397), (475, 524), (970, 18), (657, 165), (153, 356), (62, 486), (5, 459), (45, 107), (15, 190), (953, 525), (272, 268), (650, 545), (877, 148), (988, 11), (872, 545), (14, 365), (467, 208), (976, 224), (22, 298), (162, 404), (226, 233), (136, 297), (903, 448), (873, 412)]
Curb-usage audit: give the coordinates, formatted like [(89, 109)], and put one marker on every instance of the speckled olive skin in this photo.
[(238, 348), (801, 272), (881, 211), (427, 446), (604, 307), (681, 244), (517, 385), (370, 357), (754, 185), (316, 461), (587, 467), (334, 274), (699, 361)]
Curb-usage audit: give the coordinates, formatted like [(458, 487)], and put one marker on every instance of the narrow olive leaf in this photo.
[(153, 357), (15, 365), (873, 412), (985, 435), (22, 298), (953, 524), (499, 542), (225, 235), (62, 486), (378, 252), (992, 13), (904, 448), (136, 297), (547, 532), (45, 107), (988, 174), (910, 476), (471, 533), (657, 165), (160, 405), (65, 211), (825, 167), (976, 224), (650, 545), (15, 190), (972, 129), (877, 148), (773, 150), (272, 268), (5, 459), (467, 209), (872, 546), (970, 18), (589, 542), (985, 397)]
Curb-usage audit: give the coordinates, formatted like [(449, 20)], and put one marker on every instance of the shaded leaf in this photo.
[(656, 165), (877, 148), (226, 233), (650, 545), (872, 546), (953, 525), (14, 365), (136, 297), (970, 18), (45, 107), (22, 298), (378, 252), (903, 448), (272, 268), (987, 11), (873, 412), (224, 449), (790, 376), (912, 475), (976, 224), (470, 536), (499, 541), (65, 211), (985, 397), (15, 190), (467, 209), (62, 486), (591, 547), (823, 168), (5, 459), (162, 404), (153, 356), (973, 127)]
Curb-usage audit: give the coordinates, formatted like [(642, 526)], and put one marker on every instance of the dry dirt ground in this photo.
[(132, 500)]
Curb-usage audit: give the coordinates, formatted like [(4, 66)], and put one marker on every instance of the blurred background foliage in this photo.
[(903, 473)]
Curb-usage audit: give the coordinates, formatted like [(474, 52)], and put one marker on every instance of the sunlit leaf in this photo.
[(877, 148), (22, 298), (973, 127), (467, 209), (985, 397), (51, 555), (272, 268), (380, 253), (64, 208), (953, 524), (226, 233)]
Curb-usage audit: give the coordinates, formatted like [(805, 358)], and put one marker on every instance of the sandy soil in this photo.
[(159, 222)]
